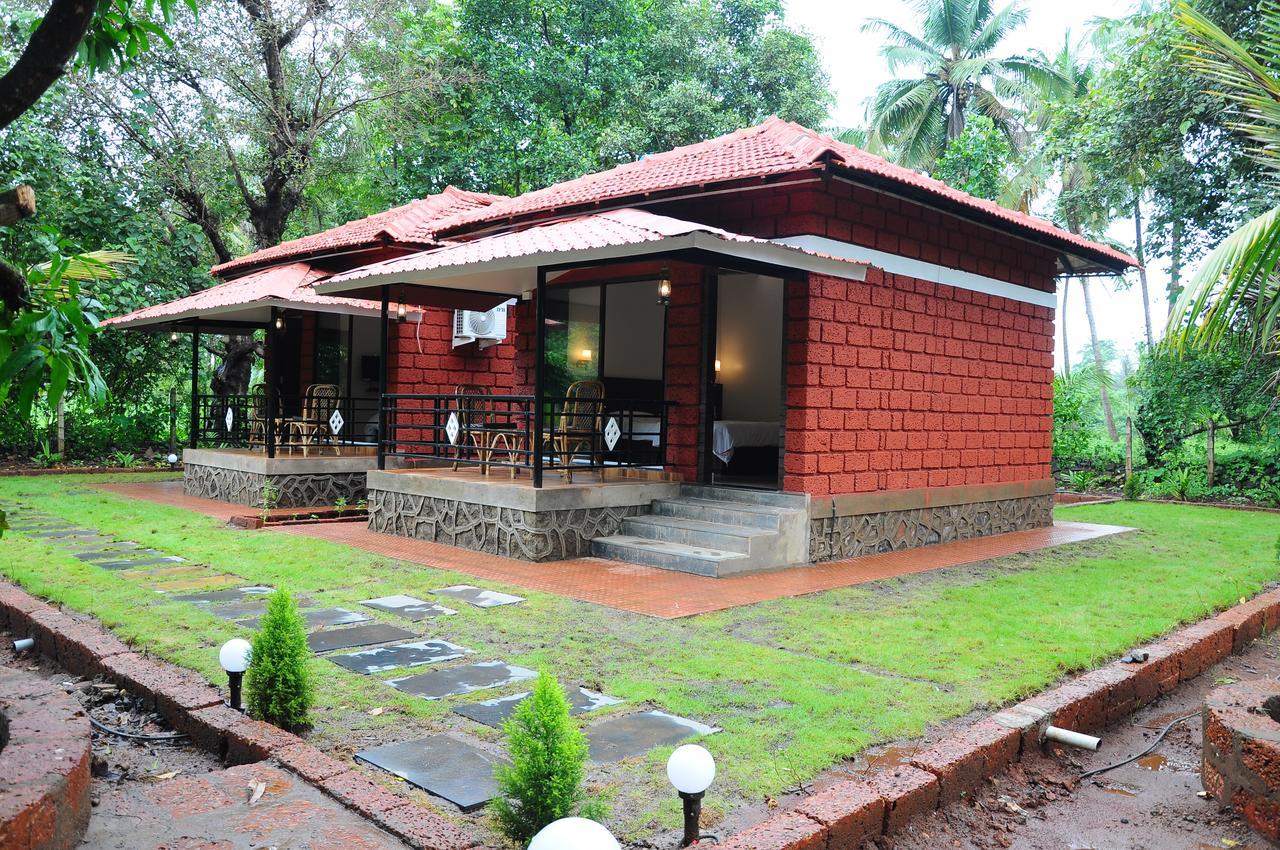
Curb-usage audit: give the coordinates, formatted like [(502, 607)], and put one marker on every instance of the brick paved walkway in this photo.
[(213, 811), (648, 590)]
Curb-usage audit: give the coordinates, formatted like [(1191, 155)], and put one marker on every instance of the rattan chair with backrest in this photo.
[(473, 410), (318, 405), (258, 415), (578, 425)]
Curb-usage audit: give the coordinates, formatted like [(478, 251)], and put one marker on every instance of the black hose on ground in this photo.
[(1147, 751), (134, 736)]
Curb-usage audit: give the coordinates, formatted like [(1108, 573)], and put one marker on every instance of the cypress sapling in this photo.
[(278, 685)]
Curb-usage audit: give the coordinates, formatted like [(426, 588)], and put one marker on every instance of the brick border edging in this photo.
[(853, 811), (1240, 763), (44, 765), (86, 470), (191, 706)]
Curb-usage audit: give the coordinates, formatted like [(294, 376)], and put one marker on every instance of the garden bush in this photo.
[(543, 783), (278, 684)]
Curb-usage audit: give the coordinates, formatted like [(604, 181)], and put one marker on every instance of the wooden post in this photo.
[(270, 378), (1213, 427), (193, 437), (539, 376), (382, 383), (62, 425), (1128, 447), (173, 420)]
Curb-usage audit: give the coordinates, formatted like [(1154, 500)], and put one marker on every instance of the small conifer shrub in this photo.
[(278, 686), (543, 783), (1133, 488)]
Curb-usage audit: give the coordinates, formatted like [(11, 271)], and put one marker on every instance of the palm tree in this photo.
[(917, 117), (1238, 286)]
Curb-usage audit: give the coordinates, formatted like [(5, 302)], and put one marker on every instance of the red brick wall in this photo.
[(423, 359), (848, 213), (896, 383)]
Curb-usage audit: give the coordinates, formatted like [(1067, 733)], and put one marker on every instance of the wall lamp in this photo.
[(664, 287), (584, 359)]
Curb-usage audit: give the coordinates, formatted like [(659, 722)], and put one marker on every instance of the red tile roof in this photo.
[(279, 285), (774, 147), (412, 224), (612, 229)]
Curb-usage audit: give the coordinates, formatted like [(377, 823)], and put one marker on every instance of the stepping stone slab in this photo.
[(75, 535), (167, 573), (215, 596), (112, 551), (128, 563), (208, 582), (403, 655), (442, 766), (479, 597), (328, 639), (632, 735), (438, 684), (494, 712), (321, 618), (409, 607)]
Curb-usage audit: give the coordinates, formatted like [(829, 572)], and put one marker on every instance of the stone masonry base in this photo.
[(291, 490), (548, 535), (837, 537)]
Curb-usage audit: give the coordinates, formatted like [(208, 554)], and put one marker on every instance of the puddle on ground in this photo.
[(1154, 762), (889, 757), (1122, 790)]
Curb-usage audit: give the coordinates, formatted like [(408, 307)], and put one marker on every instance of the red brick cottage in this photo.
[(784, 349)]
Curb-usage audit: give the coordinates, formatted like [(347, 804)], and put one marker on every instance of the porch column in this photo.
[(194, 426), (382, 385), (539, 375), (269, 378)]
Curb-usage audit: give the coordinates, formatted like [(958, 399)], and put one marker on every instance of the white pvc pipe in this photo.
[(1072, 739), (23, 644)]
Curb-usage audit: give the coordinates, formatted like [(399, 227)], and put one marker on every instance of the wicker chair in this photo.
[(578, 424), (258, 416), (319, 403), (473, 416)]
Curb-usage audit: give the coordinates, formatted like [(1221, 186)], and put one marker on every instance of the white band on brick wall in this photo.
[(910, 267)]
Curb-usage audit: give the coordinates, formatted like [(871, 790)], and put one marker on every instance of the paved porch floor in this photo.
[(641, 589)]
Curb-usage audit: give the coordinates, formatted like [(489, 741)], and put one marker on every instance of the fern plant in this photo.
[(543, 783), (1081, 480), (278, 684)]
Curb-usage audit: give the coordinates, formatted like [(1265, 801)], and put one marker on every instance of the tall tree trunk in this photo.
[(1209, 440), (1097, 361), (1175, 265), (1138, 251), (1066, 349)]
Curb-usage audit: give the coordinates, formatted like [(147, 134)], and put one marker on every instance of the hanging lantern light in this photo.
[(664, 287), (173, 336), (401, 313), (279, 323)]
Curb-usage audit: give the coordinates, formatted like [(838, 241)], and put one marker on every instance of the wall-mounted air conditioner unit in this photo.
[(487, 328)]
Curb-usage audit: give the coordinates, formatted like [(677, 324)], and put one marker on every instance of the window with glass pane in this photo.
[(573, 336)]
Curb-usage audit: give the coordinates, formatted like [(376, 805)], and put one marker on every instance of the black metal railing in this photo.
[(292, 423), (500, 431)]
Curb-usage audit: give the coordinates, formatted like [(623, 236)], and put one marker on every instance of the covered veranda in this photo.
[(306, 432), (578, 446)]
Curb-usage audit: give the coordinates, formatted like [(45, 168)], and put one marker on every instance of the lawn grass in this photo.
[(797, 685)]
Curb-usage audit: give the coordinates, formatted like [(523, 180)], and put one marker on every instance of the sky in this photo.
[(851, 58)]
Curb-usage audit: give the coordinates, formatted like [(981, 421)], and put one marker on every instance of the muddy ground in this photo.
[(1156, 803)]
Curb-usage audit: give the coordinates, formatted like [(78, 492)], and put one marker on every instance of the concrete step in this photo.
[(692, 532), (769, 498), (670, 556), (726, 513)]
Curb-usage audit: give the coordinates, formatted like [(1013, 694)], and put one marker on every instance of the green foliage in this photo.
[(1133, 488), (976, 160), (127, 460), (278, 683), (340, 505), (45, 457), (915, 118), (270, 498), (1175, 391), (543, 783), (1081, 480)]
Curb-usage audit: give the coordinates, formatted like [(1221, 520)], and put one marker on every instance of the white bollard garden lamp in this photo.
[(574, 834), (691, 770), (234, 658)]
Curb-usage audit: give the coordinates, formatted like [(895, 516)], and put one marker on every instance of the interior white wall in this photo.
[(749, 346), (633, 331), (366, 341)]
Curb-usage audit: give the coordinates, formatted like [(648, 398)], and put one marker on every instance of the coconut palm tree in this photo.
[(1238, 286), (916, 117)]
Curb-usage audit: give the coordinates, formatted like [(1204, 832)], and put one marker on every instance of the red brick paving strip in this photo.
[(44, 767), (641, 589), (190, 705), (845, 815)]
